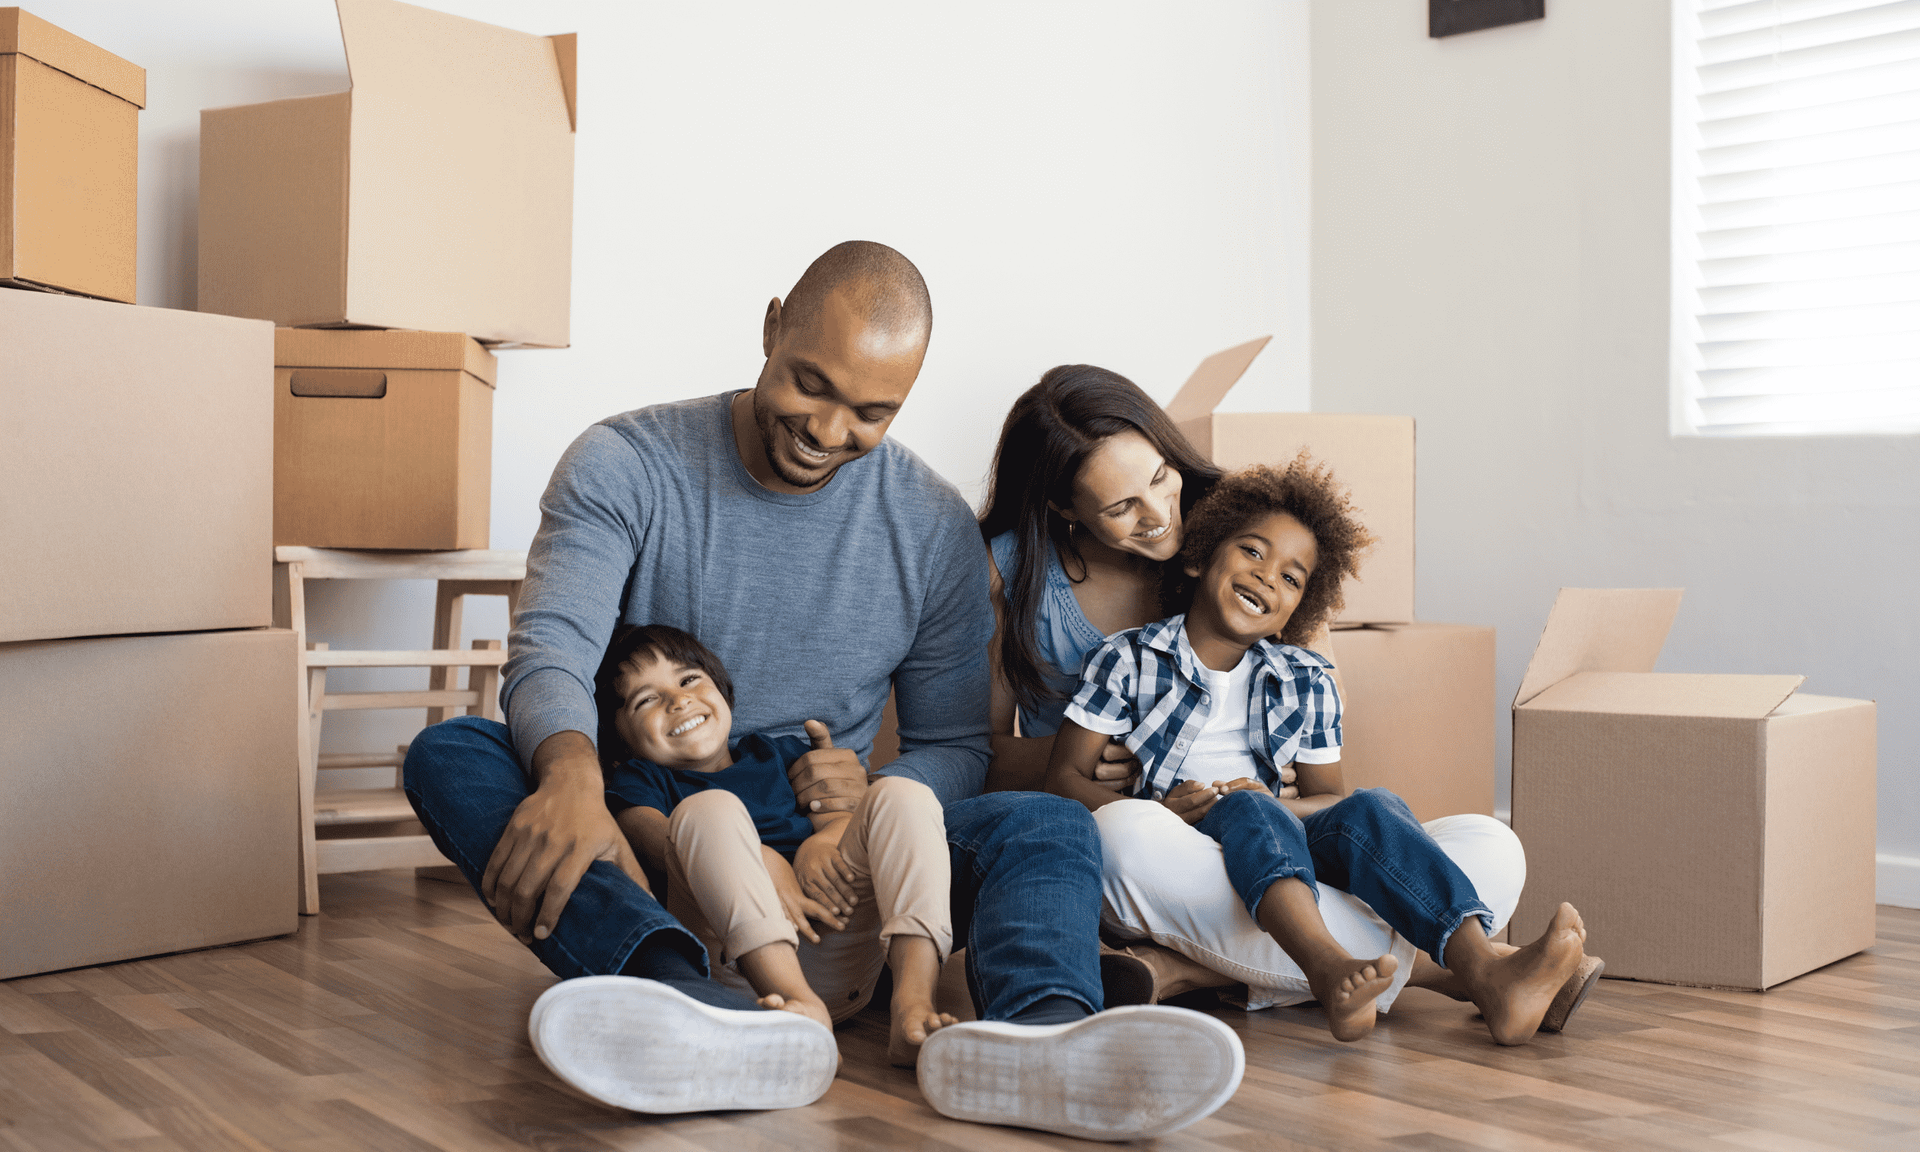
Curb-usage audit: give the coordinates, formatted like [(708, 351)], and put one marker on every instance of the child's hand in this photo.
[(799, 907), (824, 874), (1244, 784), (1191, 799)]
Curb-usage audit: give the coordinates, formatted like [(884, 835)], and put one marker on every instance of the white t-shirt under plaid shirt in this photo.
[(1146, 684)]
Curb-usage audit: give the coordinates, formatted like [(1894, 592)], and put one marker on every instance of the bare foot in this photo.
[(1347, 989), (1513, 992), (1432, 977), (1173, 972), (913, 1022), (812, 1007)]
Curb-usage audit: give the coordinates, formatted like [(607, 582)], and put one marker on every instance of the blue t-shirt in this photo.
[(758, 776)]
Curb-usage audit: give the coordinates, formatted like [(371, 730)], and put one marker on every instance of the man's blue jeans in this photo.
[(1368, 844), (1026, 877)]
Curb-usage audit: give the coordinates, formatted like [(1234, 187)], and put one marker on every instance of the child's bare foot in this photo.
[(913, 1022), (1514, 991), (1347, 989), (812, 1007)]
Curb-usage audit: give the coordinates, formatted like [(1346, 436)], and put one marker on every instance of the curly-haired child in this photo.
[(1240, 737)]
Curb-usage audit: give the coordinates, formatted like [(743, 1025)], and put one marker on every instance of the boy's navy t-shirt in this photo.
[(758, 776)]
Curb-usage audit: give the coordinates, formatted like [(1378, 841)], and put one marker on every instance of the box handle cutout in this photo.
[(339, 383)]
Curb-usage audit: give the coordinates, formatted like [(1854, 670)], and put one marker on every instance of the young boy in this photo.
[(1221, 716), (746, 871)]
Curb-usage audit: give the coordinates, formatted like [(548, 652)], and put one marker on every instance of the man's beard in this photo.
[(771, 432)]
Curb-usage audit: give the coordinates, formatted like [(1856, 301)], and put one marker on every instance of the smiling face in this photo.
[(673, 714), (826, 394), (1127, 497), (1254, 581)]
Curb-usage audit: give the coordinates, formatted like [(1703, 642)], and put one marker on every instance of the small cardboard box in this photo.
[(381, 439), (136, 469), (147, 791), (69, 160), (1371, 455), (1419, 714), (1713, 830), (436, 194)]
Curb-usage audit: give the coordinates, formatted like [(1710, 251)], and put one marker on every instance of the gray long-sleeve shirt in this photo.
[(815, 602)]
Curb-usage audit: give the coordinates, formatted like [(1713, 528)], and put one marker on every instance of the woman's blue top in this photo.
[(1062, 632)]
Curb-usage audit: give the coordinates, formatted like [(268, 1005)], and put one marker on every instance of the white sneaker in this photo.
[(1121, 1074), (641, 1045)]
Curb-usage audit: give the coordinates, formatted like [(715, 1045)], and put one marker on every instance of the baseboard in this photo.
[(1896, 880)]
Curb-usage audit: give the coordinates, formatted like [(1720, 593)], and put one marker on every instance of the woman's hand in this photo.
[(1190, 800), (799, 907), (1118, 769), (824, 875)]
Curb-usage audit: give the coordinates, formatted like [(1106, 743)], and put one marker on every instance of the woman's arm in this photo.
[(1076, 756)]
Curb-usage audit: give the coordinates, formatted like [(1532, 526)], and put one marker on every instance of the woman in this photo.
[(1089, 485)]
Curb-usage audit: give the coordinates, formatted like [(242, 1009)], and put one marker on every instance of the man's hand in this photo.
[(827, 779), (823, 873), (554, 836), (1191, 799), (1118, 768), (799, 907)]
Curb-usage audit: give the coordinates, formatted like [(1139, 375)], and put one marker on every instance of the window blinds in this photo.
[(1799, 251)]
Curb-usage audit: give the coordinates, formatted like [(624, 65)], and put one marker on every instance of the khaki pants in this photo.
[(718, 886)]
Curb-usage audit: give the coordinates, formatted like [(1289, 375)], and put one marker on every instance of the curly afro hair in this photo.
[(1305, 490)]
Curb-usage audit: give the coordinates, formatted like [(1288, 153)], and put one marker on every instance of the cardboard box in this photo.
[(136, 467), (1372, 456), (1419, 714), (69, 160), (1713, 830), (147, 790), (436, 194), (381, 439)]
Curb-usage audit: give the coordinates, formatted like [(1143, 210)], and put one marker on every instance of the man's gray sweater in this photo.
[(816, 603)]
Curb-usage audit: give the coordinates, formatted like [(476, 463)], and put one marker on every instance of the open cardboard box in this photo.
[(136, 469), (148, 800), (1371, 455), (1713, 830), (1418, 716), (436, 194), (381, 439), (69, 160)]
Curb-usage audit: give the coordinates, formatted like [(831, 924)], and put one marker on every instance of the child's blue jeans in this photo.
[(1368, 844)]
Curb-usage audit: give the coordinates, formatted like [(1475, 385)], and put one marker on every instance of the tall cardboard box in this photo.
[(436, 194), (69, 160), (1419, 714), (1371, 455), (147, 791), (381, 439), (136, 469), (1713, 830)]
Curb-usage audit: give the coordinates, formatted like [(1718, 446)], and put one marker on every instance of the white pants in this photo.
[(1166, 881)]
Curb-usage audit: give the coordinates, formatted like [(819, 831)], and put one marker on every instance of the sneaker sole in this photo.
[(1122, 1074), (640, 1045)]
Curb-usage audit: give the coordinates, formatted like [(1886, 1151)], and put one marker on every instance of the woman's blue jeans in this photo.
[(1368, 844), (1026, 877)]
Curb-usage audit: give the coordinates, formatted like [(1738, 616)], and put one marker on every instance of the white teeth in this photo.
[(688, 726), (1156, 533), (809, 453), (1252, 604)]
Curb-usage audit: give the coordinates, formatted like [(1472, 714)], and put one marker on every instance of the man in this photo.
[(823, 564)]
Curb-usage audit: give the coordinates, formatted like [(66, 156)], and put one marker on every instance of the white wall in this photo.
[(1121, 183), (1490, 247)]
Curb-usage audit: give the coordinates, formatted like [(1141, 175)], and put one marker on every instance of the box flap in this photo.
[(334, 348), (1211, 382), (1722, 696), (27, 34), (566, 52), (1599, 630)]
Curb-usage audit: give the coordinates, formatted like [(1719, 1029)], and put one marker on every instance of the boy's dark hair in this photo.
[(662, 643), (1305, 490)]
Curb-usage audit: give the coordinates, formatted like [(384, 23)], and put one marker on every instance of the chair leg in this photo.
[(312, 702), (449, 603)]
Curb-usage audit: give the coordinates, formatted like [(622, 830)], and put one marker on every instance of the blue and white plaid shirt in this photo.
[(1145, 684)]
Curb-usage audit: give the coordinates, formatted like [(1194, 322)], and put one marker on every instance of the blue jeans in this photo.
[(1368, 844), (1026, 877)]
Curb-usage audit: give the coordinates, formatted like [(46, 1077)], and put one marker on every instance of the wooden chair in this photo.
[(457, 576)]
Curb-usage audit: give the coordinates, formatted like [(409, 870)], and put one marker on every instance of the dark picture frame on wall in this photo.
[(1447, 17)]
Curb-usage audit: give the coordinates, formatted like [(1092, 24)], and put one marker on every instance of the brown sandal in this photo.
[(1573, 993)]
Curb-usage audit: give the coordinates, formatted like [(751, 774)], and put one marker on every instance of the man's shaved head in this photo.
[(880, 283)]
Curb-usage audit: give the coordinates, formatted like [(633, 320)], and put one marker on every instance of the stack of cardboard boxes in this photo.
[(146, 710), (1419, 696)]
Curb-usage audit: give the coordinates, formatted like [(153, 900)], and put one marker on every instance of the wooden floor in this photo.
[(396, 1020)]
